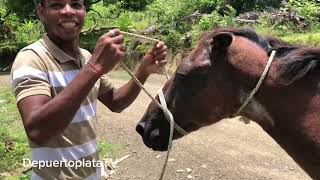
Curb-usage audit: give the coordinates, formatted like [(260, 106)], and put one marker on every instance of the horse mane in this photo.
[(296, 61)]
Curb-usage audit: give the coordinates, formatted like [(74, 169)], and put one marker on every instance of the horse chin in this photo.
[(156, 146), (159, 143), (160, 148)]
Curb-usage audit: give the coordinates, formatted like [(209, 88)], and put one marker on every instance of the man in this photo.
[(57, 85)]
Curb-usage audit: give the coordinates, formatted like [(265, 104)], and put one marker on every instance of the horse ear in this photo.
[(222, 40)]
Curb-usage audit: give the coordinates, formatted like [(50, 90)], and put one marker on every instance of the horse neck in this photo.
[(290, 115)]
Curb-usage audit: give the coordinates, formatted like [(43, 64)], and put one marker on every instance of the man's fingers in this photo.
[(159, 44), (113, 33), (162, 62), (118, 47), (118, 39), (160, 56), (160, 50)]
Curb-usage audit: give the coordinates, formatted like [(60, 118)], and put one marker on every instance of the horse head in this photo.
[(204, 88), (216, 78)]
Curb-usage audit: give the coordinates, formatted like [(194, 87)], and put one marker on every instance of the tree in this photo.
[(26, 9)]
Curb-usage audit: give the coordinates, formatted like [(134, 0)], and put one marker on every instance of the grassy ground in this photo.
[(13, 140)]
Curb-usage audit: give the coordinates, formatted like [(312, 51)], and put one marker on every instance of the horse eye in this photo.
[(192, 83)]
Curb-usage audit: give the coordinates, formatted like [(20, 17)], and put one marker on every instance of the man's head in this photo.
[(63, 19), (36, 2)]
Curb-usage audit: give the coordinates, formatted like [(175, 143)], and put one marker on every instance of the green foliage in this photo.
[(9, 51), (125, 22), (136, 5), (242, 6), (29, 30), (26, 9), (106, 149), (178, 18), (307, 9), (177, 22), (8, 24), (280, 26), (22, 8), (208, 6), (214, 19), (309, 39)]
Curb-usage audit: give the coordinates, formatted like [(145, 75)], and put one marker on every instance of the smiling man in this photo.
[(57, 85)]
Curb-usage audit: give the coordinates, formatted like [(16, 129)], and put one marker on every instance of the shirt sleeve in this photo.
[(29, 76)]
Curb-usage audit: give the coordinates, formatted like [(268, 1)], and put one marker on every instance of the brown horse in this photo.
[(215, 78)]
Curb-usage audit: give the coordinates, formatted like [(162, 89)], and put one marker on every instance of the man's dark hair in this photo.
[(36, 2)]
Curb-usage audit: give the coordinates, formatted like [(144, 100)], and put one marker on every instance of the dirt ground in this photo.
[(229, 149)]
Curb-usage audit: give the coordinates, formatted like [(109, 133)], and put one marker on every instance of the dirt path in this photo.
[(229, 149), (226, 150)]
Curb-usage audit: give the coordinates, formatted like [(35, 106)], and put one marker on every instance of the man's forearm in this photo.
[(126, 94), (55, 115)]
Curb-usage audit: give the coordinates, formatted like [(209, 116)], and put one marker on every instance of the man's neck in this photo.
[(69, 47)]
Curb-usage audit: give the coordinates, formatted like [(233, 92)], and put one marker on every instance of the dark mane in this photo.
[(297, 61)]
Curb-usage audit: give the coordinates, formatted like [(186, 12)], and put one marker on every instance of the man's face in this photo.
[(63, 19)]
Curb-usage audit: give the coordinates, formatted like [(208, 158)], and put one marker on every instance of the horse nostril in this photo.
[(140, 128), (155, 135)]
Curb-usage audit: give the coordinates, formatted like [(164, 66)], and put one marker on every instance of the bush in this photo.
[(9, 51), (242, 6), (308, 9), (125, 22)]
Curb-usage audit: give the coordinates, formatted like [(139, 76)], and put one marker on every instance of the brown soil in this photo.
[(229, 149)]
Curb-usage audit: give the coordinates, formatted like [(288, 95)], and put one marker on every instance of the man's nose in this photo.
[(68, 10)]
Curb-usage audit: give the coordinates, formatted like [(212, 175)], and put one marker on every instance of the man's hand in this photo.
[(108, 51), (154, 59)]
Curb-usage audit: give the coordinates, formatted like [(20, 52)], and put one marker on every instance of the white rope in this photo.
[(166, 112), (162, 106), (253, 92), (169, 116)]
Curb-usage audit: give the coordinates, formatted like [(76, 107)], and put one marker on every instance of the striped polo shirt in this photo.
[(42, 68)]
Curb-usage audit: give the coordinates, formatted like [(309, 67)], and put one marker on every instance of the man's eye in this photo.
[(56, 6), (77, 5)]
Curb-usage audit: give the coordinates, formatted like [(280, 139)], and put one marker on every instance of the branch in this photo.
[(117, 15), (94, 28), (189, 16), (245, 20), (94, 2)]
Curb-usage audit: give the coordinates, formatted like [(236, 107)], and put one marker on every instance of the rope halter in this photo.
[(253, 92)]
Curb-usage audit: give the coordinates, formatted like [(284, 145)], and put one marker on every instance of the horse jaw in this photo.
[(256, 112)]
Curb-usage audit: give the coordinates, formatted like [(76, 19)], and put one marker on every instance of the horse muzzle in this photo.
[(155, 137)]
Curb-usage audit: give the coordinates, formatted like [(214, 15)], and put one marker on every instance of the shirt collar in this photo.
[(55, 51)]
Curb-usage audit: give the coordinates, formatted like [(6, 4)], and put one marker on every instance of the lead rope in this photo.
[(167, 114), (162, 106)]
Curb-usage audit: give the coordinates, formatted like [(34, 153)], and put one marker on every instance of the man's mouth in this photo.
[(68, 24)]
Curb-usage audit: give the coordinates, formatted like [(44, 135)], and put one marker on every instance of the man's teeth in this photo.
[(68, 24)]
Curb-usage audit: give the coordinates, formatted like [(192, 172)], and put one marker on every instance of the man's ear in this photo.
[(40, 11), (222, 40)]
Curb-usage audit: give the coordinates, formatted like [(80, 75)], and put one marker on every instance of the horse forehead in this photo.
[(246, 47), (199, 57)]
